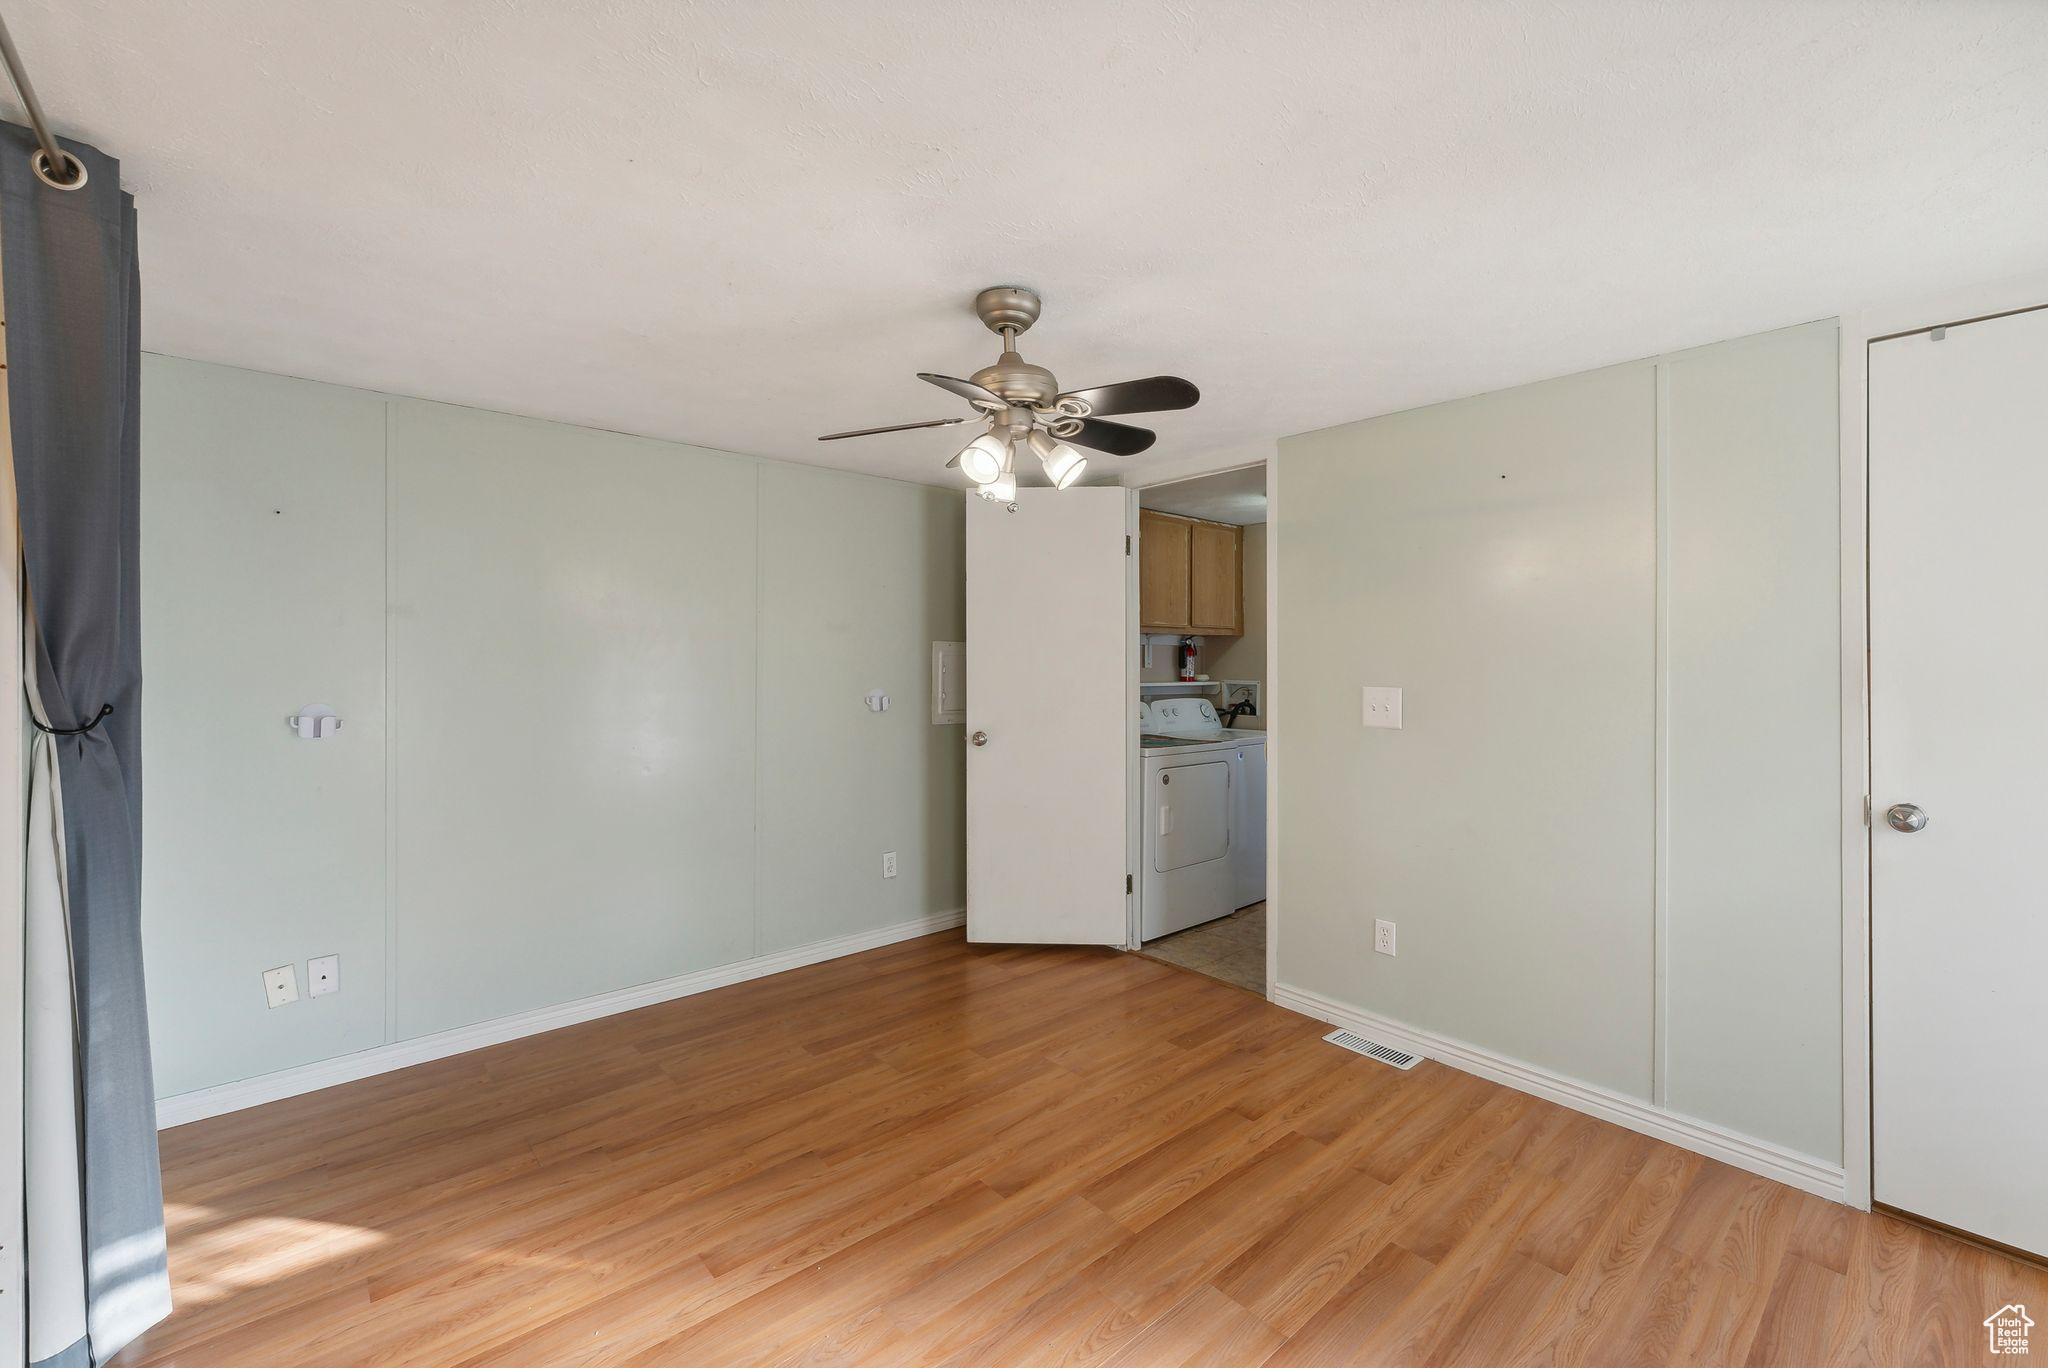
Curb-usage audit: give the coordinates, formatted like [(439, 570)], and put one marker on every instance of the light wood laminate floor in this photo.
[(942, 1153)]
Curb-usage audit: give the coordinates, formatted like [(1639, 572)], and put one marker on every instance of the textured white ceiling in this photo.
[(742, 224), (1232, 496)]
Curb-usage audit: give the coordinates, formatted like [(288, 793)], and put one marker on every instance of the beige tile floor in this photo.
[(1231, 948)]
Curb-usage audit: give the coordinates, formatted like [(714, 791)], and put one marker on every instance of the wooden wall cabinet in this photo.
[(1163, 585), (1190, 575)]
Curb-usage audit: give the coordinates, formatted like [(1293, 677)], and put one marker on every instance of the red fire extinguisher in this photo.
[(1187, 659)]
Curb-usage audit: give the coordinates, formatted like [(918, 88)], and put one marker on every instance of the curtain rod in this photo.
[(50, 158)]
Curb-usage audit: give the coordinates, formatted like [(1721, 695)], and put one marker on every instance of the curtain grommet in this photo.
[(46, 173)]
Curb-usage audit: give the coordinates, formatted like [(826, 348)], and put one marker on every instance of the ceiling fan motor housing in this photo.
[(1018, 381)]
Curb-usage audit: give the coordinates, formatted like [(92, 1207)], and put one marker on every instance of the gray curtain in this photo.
[(67, 258)]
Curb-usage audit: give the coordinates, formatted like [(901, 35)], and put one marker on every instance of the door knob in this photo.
[(979, 738), (1905, 817)]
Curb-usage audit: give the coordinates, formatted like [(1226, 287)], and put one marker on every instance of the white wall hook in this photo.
[(315, 722)]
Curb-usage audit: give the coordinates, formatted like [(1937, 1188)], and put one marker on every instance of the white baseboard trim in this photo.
[(325, 1073), (1743, 1151)]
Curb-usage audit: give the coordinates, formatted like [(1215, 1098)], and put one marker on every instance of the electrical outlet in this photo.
[(1382, 707), (888, 864), (280, 985), (1383, 936), (323, 976)]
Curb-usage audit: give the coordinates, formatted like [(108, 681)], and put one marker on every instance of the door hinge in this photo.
[(1866, 809), (1127, 883), (1127, 543)]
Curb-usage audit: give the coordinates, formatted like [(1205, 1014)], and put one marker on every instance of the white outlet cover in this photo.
[(1382, 706), (889, 864), (323, 976), (1383, 936), (281, 985)]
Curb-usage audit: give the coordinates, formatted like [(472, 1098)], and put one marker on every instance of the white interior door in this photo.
[(1959, 730), (1051, 643)]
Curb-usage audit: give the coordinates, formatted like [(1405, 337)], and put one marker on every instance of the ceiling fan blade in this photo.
[(900, 427), (1155, 394), (1118, 439), (966, 389)]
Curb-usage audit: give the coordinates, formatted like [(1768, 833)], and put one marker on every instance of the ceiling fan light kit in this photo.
[(984, 458), (1063, 465), (1024, 406)]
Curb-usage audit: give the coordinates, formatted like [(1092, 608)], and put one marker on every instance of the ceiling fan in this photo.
[(1025, 408)]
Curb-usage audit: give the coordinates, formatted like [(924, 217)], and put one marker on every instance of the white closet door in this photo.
[(1051, 641), (1959, 731)]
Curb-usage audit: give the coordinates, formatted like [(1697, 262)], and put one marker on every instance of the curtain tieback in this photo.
[(97, 718)]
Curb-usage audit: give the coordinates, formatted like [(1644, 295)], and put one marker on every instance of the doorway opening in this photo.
[(1201, 710)]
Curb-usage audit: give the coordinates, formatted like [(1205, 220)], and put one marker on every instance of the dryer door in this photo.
[(1191, 807)]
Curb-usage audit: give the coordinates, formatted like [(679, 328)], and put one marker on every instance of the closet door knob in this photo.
[(1905, 817), (979, 738)]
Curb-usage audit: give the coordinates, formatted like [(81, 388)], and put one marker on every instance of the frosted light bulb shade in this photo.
[(1063, 465), (982, 460)]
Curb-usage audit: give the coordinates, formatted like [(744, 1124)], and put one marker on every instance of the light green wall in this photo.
[(1494, 559), (1611, 600), (1752, 608), (848, 583), (573, 638), (624, 686), (262, 592)]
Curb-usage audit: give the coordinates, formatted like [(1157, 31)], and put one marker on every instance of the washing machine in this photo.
[(1198, 829)]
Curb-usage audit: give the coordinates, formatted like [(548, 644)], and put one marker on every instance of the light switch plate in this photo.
[(1382, 707), (323, 976), (280, 985)]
